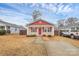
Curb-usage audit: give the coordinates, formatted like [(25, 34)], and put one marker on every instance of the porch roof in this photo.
[(40, 22)]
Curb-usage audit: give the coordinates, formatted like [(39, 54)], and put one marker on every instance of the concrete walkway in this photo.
[(60, 48)]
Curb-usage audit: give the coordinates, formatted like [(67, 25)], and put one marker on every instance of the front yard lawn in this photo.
[(20, 45)]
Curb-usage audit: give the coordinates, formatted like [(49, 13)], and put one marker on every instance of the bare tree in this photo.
[(61, 23), (36, 15), (71, 20)]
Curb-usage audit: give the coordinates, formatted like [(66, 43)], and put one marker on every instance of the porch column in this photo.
[(5, 27), (52, 28)]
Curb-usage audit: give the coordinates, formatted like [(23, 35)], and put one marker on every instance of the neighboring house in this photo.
[(70, 30), (10, 28), (40, 28)]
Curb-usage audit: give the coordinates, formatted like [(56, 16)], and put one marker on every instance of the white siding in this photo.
[(29, 32), (36, 33), (14, 30), (49, 33), (2, 24)]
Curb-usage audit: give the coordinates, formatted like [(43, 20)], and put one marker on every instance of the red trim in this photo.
[(40, 22)]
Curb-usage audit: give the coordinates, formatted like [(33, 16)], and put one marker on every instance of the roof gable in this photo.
[(9, 24), (40, 22)]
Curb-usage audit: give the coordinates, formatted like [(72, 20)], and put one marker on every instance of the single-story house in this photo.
[(40, 28), (10, 28)]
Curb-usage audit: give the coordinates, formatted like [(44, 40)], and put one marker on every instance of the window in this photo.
[(77, 28), (33, 29), (47, 29), (44, 29), (2, 27), (8, 27), (73, 29), (64, 30), (15, 29)]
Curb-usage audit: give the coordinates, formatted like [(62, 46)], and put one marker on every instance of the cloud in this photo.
[(54, 7), (67, 9), (46, 6), (20, 8), (15, 20), (11, 13), (22, 12), (17, 10), (43, 5), (64, 9), (60, 8), (14, 16), (34, 5)]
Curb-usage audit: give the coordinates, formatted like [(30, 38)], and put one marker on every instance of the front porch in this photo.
[(41, 31)]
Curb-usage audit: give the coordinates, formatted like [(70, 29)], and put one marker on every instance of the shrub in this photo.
[(2, 32), (49, 36), (31, 35), (44, 35)]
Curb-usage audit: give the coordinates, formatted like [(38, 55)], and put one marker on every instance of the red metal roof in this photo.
[(40, 22)]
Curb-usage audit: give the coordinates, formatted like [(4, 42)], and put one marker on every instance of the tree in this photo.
[(36, 15), (61, 23), (71, 20)]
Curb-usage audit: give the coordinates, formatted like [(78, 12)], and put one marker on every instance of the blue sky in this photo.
[(21, 13)]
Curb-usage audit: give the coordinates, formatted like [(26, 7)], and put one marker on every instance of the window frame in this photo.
[(33, 29)]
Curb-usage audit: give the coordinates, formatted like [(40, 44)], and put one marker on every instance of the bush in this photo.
[(44, 35), (2, 32), (31, 35), (49, 36)]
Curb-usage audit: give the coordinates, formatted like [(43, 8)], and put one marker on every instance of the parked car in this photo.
[(72, 33)]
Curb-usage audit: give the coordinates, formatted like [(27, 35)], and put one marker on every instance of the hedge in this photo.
[(2, 32)]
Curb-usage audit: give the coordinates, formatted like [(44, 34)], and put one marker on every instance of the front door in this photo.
[(39, 32)]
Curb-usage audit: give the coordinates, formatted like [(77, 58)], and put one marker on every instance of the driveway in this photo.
[(57, 47), (60, 48)]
